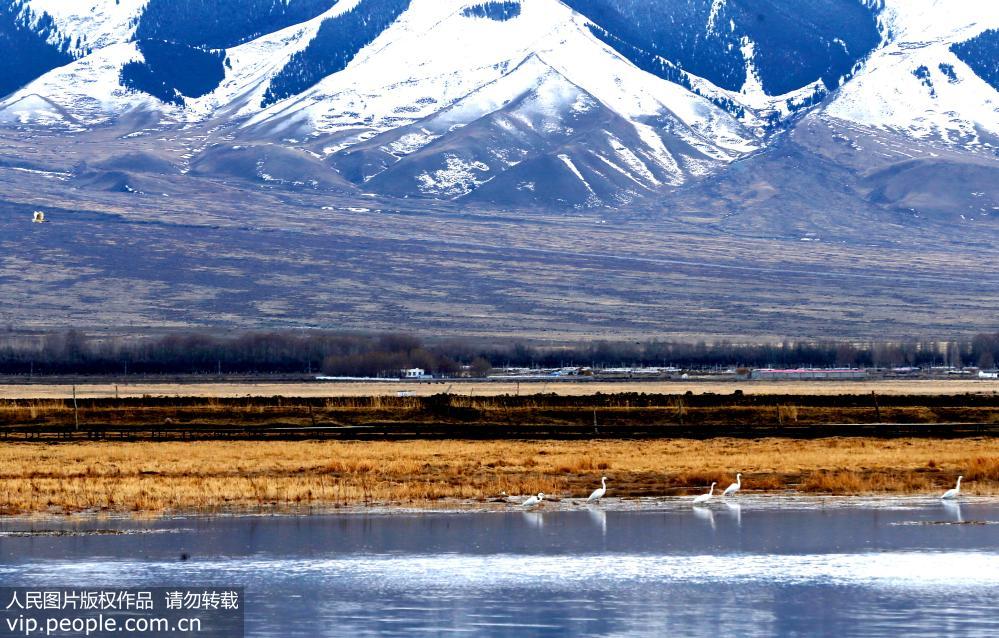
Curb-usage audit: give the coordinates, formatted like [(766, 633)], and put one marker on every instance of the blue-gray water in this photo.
[(772, 567)]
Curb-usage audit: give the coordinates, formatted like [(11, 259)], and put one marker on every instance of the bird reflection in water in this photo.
[(534, 519), (953, 508), (599, 518), (736, 511), (705, 514)]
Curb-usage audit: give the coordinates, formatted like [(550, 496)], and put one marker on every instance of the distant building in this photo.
[(415, 373), (982, 374), (809, 374)]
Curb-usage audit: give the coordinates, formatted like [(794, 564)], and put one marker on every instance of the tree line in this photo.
[(221, 24), (370, 355), (30, 45)]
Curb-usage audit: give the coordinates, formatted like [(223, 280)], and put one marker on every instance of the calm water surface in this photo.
[(765, 567)]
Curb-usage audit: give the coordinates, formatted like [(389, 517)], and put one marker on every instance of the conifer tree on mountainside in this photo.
[(216, 24), (338, 41), (26, 46), (981, 53)]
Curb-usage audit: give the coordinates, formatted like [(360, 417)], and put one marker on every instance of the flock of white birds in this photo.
[(700, 500)]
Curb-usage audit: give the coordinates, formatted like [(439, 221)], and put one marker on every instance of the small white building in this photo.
[(415, 373), (982, 374)]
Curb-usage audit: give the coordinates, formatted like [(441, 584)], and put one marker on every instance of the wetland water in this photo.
[(763, 567)]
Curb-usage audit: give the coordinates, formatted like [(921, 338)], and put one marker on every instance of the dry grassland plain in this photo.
[(239, 476)]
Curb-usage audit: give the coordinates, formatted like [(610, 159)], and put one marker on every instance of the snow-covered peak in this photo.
[(435, 55), (530, 84)]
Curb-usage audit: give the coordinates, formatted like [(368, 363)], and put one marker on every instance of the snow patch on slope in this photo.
[(716, 7), (548, 97), (459, 177), (660, 153), (89, 87), (35, 110), (251, 66), (632, 161), (915, 21), (92, 24), (412, 142), (575, 171), (753, 86)]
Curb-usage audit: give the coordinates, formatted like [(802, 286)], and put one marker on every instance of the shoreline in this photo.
[(790, 501)]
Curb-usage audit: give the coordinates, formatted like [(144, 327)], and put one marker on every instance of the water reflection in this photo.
[(705, 514), (953, 509), (838, 571), (535, 520), (736, 510), (599, 518)]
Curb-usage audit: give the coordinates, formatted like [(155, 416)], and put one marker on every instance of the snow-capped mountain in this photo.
[(926, 80), (575, 103)]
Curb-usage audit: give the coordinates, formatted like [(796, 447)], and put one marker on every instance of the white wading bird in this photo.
[(599, 492), (954, 493), (704, 498), (38, 217), (734, 487), (534, 500)]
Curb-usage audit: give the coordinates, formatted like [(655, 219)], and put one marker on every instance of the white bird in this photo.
[(734, 487), (534, 500), (38, 217), (704, 498), (954, 493), (599, 492)]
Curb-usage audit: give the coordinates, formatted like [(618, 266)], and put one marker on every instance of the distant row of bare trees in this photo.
[(347, 354), (982, 351)]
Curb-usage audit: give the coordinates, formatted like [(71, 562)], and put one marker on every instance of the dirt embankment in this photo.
[(450, 416), (108, 390)]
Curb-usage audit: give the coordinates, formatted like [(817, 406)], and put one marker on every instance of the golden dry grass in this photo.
[(565, 388), (254, 476)]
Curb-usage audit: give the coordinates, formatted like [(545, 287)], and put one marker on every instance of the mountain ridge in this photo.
[(410, 66)]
